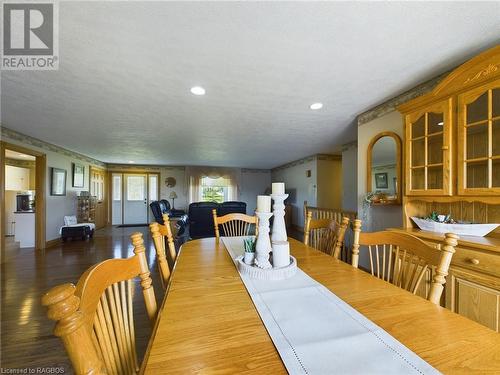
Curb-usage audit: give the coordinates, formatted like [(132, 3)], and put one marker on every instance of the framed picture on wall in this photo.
[(78, 175), (381, 181), (58, 181)]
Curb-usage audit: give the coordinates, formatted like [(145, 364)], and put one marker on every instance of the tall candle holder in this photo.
[(279, 227), (263, 245), (281, 247)]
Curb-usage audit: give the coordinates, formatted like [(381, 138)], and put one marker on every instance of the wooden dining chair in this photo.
[(403, 259), (163, 238), (95, 319), (325, 235), (235, 224)]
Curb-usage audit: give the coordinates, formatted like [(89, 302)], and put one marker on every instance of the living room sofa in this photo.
[(158, 208), (201, 222)]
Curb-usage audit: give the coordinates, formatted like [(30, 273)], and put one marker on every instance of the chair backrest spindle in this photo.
[(325, 234), (95, 319), (234, 224), (404, 260)]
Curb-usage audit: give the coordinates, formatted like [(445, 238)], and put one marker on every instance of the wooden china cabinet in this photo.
[(429, 145), (452, 166), (478, 134)]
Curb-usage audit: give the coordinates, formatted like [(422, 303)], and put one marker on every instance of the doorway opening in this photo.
[(23, 193), (131, 195)]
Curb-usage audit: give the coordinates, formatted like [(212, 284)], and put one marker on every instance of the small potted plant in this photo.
[(249, 245)]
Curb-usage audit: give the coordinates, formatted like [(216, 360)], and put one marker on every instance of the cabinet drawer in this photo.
[(476, 260)]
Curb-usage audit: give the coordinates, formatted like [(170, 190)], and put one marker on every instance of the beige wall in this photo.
[(377, 217), (302, 188), (329, 183), (322, 189), (253, 183), (181, 202), (350, 177)]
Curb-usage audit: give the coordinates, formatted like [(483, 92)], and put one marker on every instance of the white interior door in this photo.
[(135, 199)]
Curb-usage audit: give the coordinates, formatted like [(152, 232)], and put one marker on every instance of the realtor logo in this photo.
[(30, 38)]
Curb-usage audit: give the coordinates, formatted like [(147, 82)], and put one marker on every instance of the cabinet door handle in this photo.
[(474, 261)]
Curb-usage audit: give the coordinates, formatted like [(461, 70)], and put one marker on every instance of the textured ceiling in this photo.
[(122, 89)]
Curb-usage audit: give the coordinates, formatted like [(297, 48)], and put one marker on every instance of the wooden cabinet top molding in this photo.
[(476, 71)]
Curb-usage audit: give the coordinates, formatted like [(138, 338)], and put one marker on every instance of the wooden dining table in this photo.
[(208, 323)]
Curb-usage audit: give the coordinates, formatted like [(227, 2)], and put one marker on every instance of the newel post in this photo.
[(145, 275), (72, 328), (355, 243), (439, 279)]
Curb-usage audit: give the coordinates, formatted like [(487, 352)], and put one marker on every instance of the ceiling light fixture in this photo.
[(197, 90), (316, 106)]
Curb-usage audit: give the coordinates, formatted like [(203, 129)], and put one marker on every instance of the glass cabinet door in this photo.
[(479, 141), (428, 150)]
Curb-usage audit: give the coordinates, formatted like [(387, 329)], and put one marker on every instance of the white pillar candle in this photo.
[(278, 188), (281, 254), (263, 203)]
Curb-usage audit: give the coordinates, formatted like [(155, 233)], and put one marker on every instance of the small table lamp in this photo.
[(172, 196)]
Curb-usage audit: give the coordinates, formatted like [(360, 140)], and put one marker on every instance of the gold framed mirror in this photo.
[(383, 168)]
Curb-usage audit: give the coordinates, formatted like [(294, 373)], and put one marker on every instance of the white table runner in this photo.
[(315, 332)]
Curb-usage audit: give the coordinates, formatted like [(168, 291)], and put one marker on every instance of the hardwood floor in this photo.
[(26, 332)]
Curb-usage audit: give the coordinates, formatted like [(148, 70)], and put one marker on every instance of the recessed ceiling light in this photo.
[(316, 106), (197, 90), (131, 162)]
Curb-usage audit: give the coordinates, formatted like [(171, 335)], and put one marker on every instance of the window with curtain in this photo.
[(215, 189), (212, 184)]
